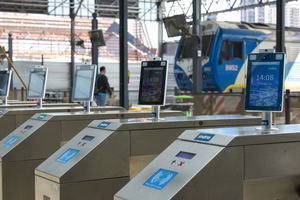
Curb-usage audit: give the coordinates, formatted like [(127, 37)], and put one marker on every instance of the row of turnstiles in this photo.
[(78, 155), (70, 153)]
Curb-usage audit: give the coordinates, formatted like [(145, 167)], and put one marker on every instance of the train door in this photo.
[(249, 45), (230, 61)]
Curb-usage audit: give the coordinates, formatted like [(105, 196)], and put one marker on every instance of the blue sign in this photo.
[(12, 140), (42, 116), (160, 179), (265, 122), (104, 124), (205, 137), (68, 155)]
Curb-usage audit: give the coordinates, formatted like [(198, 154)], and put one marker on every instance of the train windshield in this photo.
[(186, 50)]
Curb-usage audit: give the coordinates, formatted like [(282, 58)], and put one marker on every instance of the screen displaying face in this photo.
[(265, 83), (83, 84), (36, 84), (152, 85), (4, 78)]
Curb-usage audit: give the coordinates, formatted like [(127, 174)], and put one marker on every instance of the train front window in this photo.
[(186, 46), (206, 44), (237, 50), (231, 50)]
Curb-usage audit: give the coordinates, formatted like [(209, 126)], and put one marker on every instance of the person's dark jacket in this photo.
[(102, 85)]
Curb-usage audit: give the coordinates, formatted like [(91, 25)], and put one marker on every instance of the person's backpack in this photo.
[(97, 89)]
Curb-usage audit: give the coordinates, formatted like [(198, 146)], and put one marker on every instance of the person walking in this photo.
[(102, 87)]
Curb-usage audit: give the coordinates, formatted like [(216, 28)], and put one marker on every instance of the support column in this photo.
[(72, 16), (160, 29), (197, 58), (123, 9), (197, 61), (280, 26), (10, 55), (94, 47)]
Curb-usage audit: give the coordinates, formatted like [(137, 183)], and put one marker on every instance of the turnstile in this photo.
[(101, 158), (223, 164), (36, 139), (10, 119)]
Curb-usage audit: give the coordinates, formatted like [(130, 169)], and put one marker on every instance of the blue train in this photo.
[(225, 49)]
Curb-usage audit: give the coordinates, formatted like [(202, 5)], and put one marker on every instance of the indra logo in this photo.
[(42, 116), (104, 124), (205, 137)]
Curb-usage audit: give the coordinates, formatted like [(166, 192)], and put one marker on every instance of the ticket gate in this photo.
[(223, 164), (98, 161), (10, 119), (36, 139)]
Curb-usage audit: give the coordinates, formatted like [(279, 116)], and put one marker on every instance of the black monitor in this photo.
[(5, 78), (84, 83), (153, 83), (265, 80), (176, 25), (97, 37), (37, 83)]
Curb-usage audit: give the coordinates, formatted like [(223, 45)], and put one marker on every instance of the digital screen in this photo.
[(84, 85), (160, 179), (185, 155), (4, 83), (28, 127), (88, 138), (153, 83), (11, 141), (37, 84), (264, 83), (67, 155)]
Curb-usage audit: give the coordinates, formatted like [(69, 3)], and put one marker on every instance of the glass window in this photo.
[(237, 50), (206, 44), (231, 50)]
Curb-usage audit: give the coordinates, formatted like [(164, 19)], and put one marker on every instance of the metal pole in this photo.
[(40, 103), (197, 61), (160, 29), (72, 16), (280, 26), (123, 9), (287, 107), (10, 55), (42, 63), (94, 47)]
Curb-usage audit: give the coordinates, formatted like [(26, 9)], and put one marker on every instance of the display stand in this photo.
[(40, 103), (156, 113), (153, 84), (84, 85), (5, 79), (265, 83), (5, 101), (37, 84), (87, 107)]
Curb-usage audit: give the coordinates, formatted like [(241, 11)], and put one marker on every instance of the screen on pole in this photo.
[(37, 83), (153, 82), (4, 82), (84, 83), (265, 79)]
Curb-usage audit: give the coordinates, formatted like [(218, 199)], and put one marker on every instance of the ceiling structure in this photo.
[(137, 9)]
